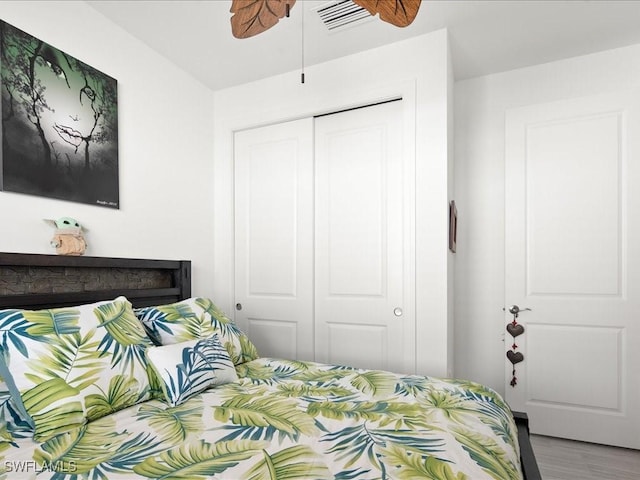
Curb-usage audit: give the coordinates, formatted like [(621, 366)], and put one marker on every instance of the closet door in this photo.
[(274, 238), (364, 265)]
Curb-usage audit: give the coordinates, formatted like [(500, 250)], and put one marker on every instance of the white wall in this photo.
[(165, 149), (415, 69), (480, 106)]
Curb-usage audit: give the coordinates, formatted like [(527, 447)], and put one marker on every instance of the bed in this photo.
[(173, 389)]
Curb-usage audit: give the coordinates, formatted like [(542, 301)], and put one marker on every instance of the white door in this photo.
[(573, 258), (363, 257), (274, 238)]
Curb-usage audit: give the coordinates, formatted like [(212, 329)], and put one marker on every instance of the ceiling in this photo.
[(485, 36)]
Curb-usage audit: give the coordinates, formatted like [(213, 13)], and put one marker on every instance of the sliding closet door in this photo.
[(363, 261), (274, 238)]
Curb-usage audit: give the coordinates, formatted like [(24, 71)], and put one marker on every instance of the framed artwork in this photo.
[(453, 225), (59, 123)]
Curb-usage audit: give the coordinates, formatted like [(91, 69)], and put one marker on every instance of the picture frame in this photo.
[(453, 226), (59, 123)]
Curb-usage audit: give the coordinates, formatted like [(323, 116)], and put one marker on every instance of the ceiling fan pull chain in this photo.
[(302, 45)]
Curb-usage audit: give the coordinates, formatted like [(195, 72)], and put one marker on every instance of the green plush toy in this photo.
[(68, 238)]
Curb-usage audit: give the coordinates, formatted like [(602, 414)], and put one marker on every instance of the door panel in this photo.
[(598, 349), (572, 236), (274, 237), (361, 264), (573, 184), (342, 350), (355, 216)]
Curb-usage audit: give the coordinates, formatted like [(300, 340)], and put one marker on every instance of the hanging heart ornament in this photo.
[(515, 357), (515, 329)]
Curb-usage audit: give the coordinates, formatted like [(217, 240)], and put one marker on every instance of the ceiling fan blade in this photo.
[(396, 12), (251, 17)]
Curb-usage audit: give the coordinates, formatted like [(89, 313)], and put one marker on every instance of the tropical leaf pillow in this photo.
[(11, 417), (13, 423), (193, 319), (67, 366), (188, 368)]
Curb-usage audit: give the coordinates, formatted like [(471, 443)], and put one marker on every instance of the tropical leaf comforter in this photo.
[(290, 420)]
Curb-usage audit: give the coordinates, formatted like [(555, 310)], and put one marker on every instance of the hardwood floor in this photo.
[(560, 459)]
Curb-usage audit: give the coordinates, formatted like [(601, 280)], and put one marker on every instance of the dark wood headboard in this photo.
[(34, 281)]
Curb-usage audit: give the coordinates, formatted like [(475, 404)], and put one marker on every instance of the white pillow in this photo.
[(188, 368)]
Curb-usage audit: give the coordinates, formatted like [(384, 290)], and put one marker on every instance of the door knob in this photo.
[(238, 306), (397, 312), (515, 309)]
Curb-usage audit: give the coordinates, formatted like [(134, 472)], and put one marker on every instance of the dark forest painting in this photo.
[(59, 123)]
